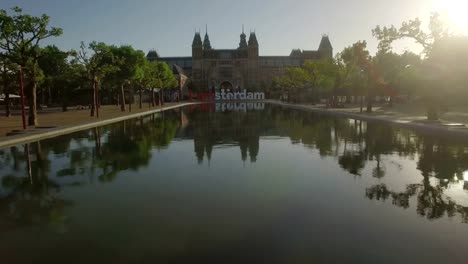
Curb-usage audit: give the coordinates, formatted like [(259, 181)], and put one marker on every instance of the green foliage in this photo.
[(321, 75), (165, 76), (293, 79), (56, 68), (100, 63), (412, 29), (441, 77), (20, 36), (129, 64)]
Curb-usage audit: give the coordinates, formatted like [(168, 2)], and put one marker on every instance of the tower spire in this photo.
[(243, 39), (206, 41)]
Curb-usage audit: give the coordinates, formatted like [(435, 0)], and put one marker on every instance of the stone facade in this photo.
[(242, 68)]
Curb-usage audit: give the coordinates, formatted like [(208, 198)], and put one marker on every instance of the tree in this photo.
[(321, 75), (357, 72), (166, 79), (98, 65), (54, 65), (130, 63), (432, 72), (293, 80), (8, 75), (412, 29), (152, 77), (141, 79), (20, 36)]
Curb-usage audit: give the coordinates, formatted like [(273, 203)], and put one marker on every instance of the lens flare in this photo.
[(454, 12)]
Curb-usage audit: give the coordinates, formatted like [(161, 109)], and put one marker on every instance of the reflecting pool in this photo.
[(236, 183)]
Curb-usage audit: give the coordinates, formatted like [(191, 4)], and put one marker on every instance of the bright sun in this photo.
[(455, 12)]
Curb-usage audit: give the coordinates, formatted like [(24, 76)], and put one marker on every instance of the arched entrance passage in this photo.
[(226, 85)]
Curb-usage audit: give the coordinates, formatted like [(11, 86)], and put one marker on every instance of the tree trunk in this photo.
[(7, 104), (7, 94), (98, 96), (369, 104), (141, 99), (50, 96), (32, 98), (93, 98), (153, 99), (362, 99), (122, 102), (370, 95), (42, 98), (162, 97), (149, 99), (432, 108), (432, 113), (65, 101), (130, 101)]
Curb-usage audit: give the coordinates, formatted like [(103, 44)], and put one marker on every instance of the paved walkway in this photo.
[(54, 123), (417, 122)]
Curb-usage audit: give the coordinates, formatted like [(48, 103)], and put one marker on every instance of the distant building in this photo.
[(242, 68)]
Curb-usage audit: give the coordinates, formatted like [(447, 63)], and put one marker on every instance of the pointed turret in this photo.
[(253, 39), (243, 40), (197, 46), (253, 45), (325, 47), (197, 42), (206, 41)]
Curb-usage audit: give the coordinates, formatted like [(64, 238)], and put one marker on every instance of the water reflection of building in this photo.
[(210, 126)]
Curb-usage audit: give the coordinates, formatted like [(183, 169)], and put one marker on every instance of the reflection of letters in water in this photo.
[(239, 107), (244, 95)]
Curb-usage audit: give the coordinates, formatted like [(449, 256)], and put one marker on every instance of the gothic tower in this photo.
[(325, 48), (253, 63), (197, 60), (197, 46), (206, 41), (243, 40), (253, 46)]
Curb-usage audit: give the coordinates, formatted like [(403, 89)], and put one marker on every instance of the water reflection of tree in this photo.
[(103, 153), (356, 143), (122, 146), (437, 159), (30, 194), (32, 198)]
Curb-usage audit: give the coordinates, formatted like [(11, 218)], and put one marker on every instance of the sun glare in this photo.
[(455, 12)]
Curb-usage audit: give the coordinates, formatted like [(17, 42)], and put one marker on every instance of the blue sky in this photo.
[(168, 26)]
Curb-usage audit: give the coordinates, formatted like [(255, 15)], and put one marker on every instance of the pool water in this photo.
[(236, 183)]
